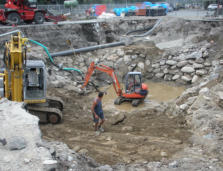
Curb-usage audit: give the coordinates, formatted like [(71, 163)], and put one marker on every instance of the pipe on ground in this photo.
[(86, 49)]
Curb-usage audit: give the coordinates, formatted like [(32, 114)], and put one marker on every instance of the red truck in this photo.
[(17, 11)]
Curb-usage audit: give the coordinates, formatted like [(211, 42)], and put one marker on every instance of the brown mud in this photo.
[(144, 134)]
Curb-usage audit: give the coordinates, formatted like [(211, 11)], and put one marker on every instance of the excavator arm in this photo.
[(107, 70)]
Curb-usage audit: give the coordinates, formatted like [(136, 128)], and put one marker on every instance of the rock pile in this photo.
[(187, 67)]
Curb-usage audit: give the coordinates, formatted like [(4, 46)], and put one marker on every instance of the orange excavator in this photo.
[(135, 90)]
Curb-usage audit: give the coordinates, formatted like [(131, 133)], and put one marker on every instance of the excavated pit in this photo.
[(131, 135), (150, 132)]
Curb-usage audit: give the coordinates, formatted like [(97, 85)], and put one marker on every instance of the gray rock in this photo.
[(207, 64), (187, 69), (16, 143), (104, 168), (162, 62), (142, 55), (127, 59), (220, 101), (112, 57), (201, 72), (134, 56), (194, 55), (191, 62), (148, 62), (129, 51), (149, 75), (117, 118), (173, 164), (205, 54), (168, 77), (165, 71), (3, 141), (198, 66), (203, 49), (157, 70), (171, 62), (173, 72), (70, 158), (181, 56), (159, 75), (141, 65), (221, 62), (175, 77), (49, 164), (120, 53), (214, 63), (199, 60), (173, 67), (194, 79), (119, 61), (204, 90), (183, 106), (186, 78), (155, 65)]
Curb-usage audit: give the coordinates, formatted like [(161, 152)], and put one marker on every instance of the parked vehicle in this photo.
[(212, 7)]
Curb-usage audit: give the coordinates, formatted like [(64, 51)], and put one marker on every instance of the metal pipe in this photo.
[(149, 31), (86, 49), (11, 32)]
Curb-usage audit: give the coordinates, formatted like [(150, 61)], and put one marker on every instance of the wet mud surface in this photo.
[(144, 134)]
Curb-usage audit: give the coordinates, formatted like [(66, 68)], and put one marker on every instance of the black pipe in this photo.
[(86, 49), (142, 29)]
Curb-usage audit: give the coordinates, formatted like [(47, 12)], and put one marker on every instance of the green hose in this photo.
[(50, 57)]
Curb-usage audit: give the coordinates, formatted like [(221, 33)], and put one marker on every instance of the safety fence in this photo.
[(80, 9)]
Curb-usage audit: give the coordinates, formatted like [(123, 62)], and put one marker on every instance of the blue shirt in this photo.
[(98, 106)]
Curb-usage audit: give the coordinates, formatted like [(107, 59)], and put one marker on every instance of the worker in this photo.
[(130, 85), (97, 112)]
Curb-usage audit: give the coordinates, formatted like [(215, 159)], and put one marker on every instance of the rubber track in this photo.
[(44, 111)]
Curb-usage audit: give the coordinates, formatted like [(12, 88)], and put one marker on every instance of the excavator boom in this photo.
[(107, 70), (136, 94)]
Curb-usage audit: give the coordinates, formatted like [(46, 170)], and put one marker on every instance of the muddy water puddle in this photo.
[(158, 91)]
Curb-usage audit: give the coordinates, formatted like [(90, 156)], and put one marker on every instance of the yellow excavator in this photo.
[(24, 80)]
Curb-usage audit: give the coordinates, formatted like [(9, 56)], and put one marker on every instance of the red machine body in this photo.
[(24, 10), (135, 90)]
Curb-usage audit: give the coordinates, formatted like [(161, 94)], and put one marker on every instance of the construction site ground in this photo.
[(143, 135), (179, 125)]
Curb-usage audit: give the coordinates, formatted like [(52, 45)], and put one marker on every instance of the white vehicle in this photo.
[(212, 7)]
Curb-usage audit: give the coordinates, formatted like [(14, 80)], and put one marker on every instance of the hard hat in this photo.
[(144, 86)]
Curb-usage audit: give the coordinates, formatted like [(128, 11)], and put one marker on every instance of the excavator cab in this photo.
[(133, 82), (35, 81)]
